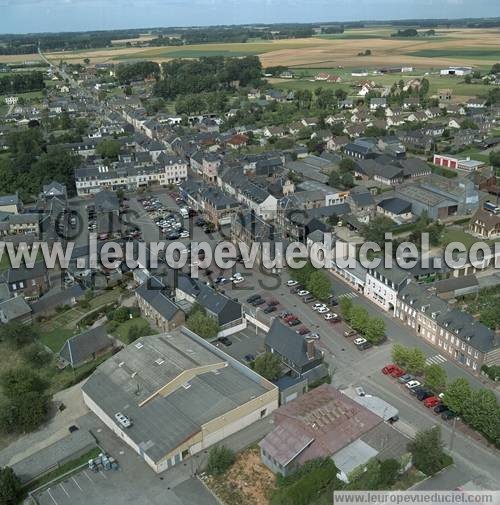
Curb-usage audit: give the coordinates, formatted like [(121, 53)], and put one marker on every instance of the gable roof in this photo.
[(152, 291), (289, 344), (81, 347)]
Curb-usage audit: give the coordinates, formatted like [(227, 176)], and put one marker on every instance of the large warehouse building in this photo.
[(172, 395)]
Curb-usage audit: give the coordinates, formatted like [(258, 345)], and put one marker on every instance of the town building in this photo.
[(173, 395)]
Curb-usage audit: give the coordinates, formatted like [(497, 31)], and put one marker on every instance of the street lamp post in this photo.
[(453, 429)]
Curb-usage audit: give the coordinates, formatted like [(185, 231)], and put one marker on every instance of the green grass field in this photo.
[(485, 54), (122, 330)]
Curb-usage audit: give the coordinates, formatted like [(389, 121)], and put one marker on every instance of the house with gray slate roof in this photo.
[(85, 347), (455, 334), (157, 307)]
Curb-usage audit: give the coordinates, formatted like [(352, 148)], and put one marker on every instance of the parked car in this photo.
[(290, 317), (252, 298), (291, 283), (249, 358), (349, 332), (225, 341), (269, 309), (423, 394), (285, 314), (258, 302), (405, 378), (393, 370), (303, 331), (295, 290), (273, 303), (413, 384), (323, 310), (318, 306), (439, 408), (447, 415), (303, 292), (238, 280), (294, 322), (431, 402), (174, 236), (308, 299), (313, 336)]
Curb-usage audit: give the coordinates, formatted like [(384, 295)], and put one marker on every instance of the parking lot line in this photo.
[(102, 475), (62, 487), (53, 499), (88, 476), (76, 482)]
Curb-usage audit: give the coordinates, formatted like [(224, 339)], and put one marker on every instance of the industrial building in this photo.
[(172, 395)]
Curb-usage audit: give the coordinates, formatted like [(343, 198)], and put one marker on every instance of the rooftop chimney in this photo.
[(311, 350)]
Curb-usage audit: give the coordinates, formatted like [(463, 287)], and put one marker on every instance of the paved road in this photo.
[(362, 368)]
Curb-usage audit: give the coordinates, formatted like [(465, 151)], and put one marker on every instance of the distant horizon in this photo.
[(379, 22), (24, 17)]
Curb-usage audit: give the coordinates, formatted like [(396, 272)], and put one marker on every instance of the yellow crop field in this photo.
[(471, 47)]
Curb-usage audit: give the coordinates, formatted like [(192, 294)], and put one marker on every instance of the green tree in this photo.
[(458, 393), (495, 158), (411, 359), (17, 382), (427, 451), (86, 61), (346, 306), (482, 413), (24, 413), (17, 334), (375, 330), (435, 377), (359, 318), (35, 354), (220, 458), (302, 275), (347, 180), (10, 487), (319, 285), (346, 165), (121, 314), (268, 365), (108, 148), (203, 325)]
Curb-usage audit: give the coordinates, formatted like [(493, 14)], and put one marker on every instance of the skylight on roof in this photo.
[(139, 345)]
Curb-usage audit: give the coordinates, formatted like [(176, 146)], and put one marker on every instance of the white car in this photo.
[(318, 306), (323, 310), (312, 336), (238, 280), (237, 275), (330, 316), (185, 234), (413, 384), (291, 284), (303, 292), (359, 341)]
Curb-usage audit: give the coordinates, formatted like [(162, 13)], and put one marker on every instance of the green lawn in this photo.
[(474, 154), (454, 234), (55, 338), (485, 54), (121, 332)]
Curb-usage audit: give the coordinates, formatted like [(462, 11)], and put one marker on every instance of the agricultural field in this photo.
[(448, 47)]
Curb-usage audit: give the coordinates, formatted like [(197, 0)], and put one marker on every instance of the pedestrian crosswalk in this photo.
[(435, 360), (348, 295)]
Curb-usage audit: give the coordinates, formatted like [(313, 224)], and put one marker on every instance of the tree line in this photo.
[(30, 164), (22, 82), (125, 73), (184, 77)]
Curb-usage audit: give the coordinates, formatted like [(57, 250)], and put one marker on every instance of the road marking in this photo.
[(102, 475), (435, 359), (62, 487), (53, 499), (76, 482), (349, 295), (88, 477)]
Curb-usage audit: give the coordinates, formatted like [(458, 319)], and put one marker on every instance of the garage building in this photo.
[(172, 395)]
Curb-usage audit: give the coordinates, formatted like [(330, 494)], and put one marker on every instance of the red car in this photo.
[(393, 370), (303, 331), (291, 317), (432, 402)]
